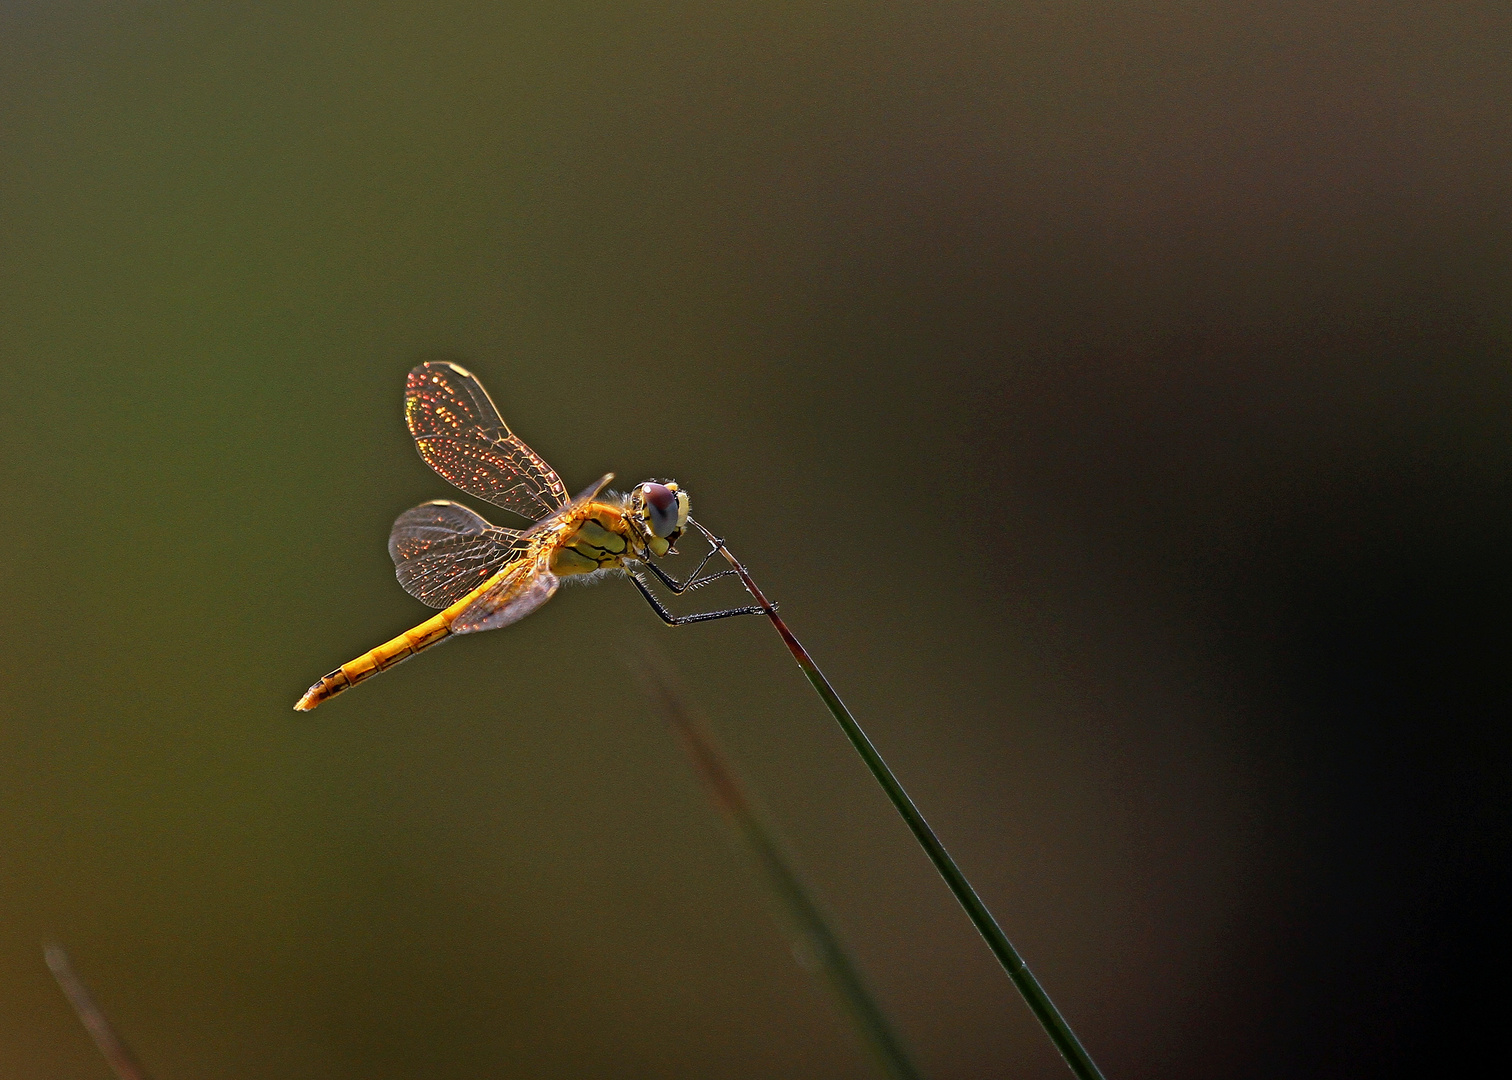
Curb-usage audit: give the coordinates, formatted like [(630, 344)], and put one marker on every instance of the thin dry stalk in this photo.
[(122, 1062), (814, 938)]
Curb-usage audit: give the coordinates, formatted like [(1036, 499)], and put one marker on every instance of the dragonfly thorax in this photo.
[(600, 538), (606, 534)]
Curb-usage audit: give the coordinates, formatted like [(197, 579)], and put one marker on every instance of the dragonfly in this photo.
[(485, 576)]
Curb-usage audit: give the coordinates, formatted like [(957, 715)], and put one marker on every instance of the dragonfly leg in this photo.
[(693, 582), (679, 620)]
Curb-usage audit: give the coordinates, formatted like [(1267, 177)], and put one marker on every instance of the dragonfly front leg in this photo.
[(680, 620), (694, 581)]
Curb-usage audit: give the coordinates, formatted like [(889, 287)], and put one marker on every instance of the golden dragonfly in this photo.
[(486, 576)]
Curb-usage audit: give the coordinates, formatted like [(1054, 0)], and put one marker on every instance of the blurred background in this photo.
[(1116, 396)]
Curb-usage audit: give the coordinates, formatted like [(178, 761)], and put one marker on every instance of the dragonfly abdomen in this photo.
[(432, 631), (395, 651)]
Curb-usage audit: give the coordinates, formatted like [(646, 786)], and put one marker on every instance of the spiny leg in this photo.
[(694, 581), (679, 620)]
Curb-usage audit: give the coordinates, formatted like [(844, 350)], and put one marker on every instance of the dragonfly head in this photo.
[(661, 510)]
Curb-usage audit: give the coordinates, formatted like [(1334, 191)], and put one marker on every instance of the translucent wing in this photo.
[(442, 551), (460, 434), (531, 584), (512, 598), (586, 495)]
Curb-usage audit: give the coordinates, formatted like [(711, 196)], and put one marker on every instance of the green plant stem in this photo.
[(811, 929), (1039, 1002)]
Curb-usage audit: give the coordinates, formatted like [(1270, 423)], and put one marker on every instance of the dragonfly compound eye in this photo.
[(662, 508)]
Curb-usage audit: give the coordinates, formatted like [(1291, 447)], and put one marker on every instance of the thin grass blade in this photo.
[(812, 932), (1055, 1025)]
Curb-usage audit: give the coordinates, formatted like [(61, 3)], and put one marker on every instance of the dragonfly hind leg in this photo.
[(681, 620)]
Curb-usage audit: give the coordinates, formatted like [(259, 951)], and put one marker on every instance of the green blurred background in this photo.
[(1115, 395)]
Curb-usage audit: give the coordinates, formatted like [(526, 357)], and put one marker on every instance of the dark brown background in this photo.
[(1116, 396)]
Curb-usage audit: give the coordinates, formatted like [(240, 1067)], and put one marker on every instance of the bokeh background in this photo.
[(1115, 395)]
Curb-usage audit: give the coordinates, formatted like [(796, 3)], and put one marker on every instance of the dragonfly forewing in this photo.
[(460, 434)]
